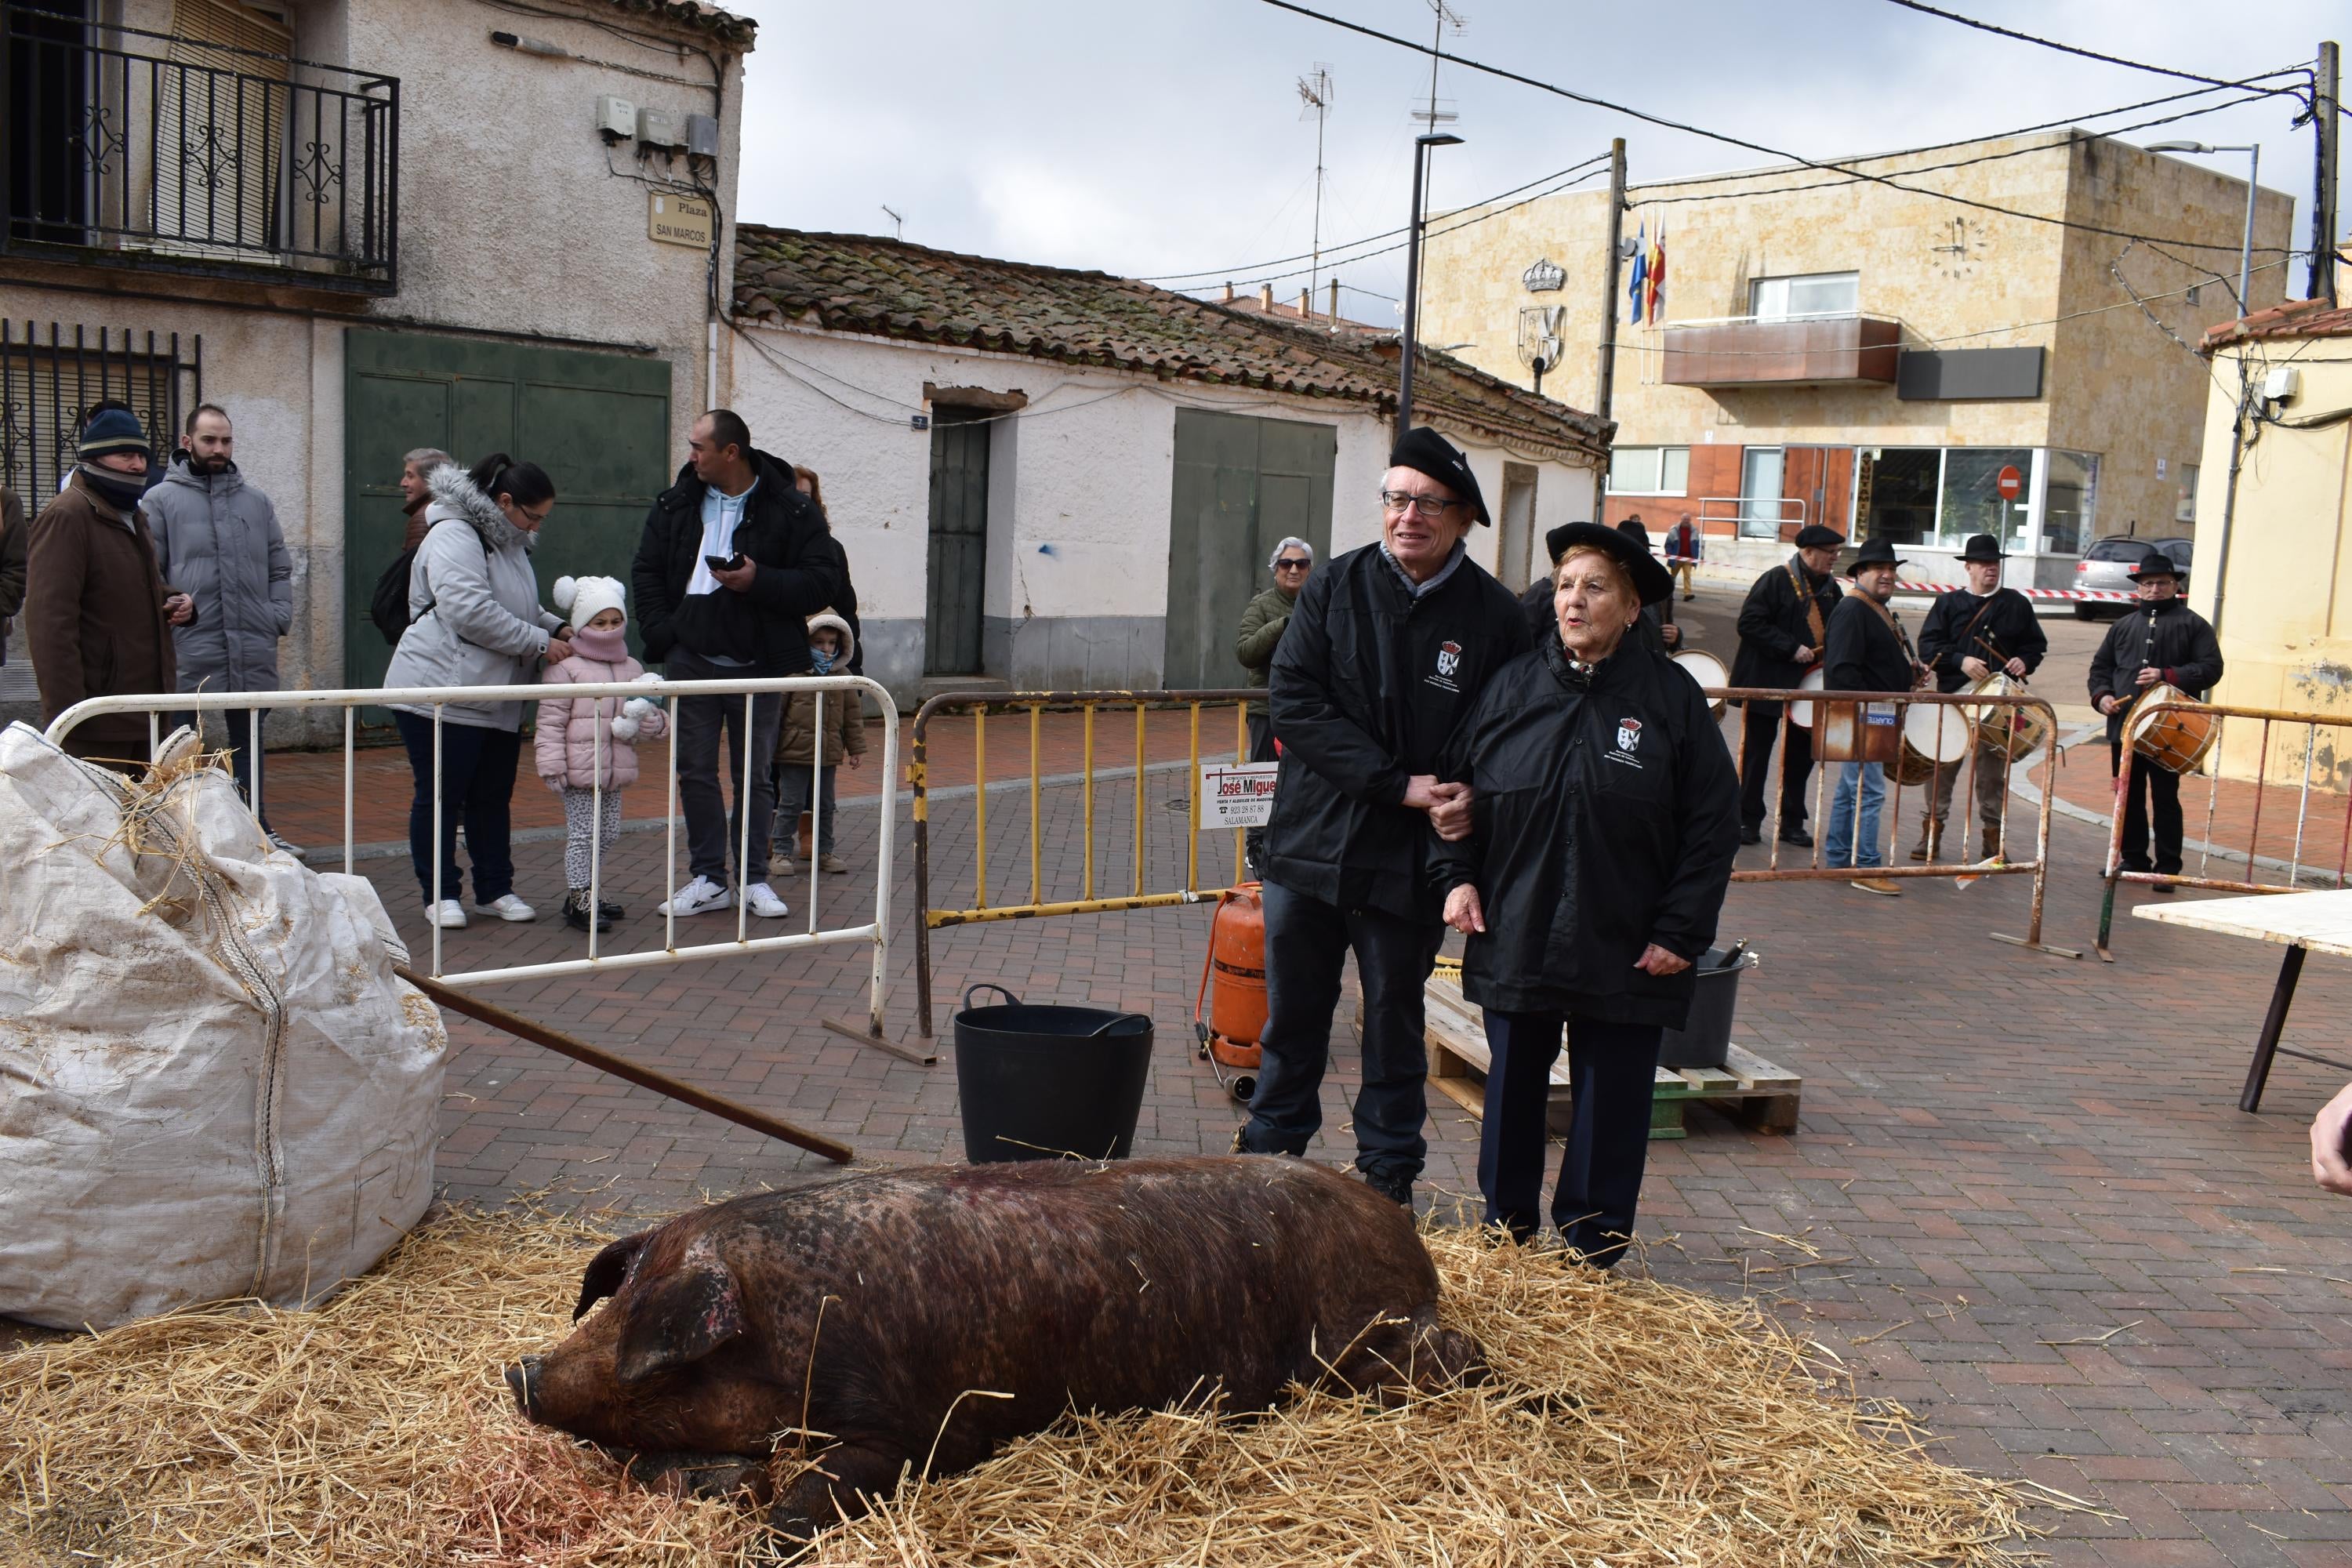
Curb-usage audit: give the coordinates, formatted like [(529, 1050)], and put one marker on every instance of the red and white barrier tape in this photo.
[(2109, 595)]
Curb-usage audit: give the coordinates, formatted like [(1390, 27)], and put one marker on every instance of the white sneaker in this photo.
[(506, 907), (449, 914), (699, 897), (764, 902)]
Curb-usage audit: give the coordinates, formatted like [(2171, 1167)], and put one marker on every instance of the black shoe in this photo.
[(2167, 889), (1751, 835), (575, 914), (608, 911), (1398, 1190), (1798, 836)]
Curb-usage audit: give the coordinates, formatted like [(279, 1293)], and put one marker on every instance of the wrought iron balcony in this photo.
[(136, 149), (1750, 351)]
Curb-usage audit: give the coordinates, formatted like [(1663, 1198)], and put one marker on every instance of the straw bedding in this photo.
[(1630, 1422)]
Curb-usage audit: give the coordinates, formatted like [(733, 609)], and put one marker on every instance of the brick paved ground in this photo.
[(2020, 1201)]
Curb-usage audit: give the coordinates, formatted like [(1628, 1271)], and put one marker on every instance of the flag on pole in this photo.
[(1657, 276), (1639, 288)]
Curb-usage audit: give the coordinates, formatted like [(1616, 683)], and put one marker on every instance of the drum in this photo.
[(2019, 731), (1709, 671), (2176, 739), (1932, 734), (1801, 713)]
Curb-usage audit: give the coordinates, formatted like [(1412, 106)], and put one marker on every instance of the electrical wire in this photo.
[(1660, 120), (1920, 5)]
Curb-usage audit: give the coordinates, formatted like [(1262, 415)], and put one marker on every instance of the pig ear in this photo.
[(607, 1271), (679, 1319)]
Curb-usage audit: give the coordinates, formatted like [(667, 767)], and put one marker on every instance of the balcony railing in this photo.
[(129, 147), (1746, 351)]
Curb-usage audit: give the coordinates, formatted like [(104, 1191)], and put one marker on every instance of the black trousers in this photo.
[(1612, 1070), (1306, 942), (1760, 726), (238, 732), (2147, 784)]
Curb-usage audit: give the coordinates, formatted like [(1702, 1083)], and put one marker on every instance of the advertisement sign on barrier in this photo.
[(1237, 794)]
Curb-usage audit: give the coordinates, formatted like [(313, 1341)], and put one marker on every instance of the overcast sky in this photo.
[(1155, 139)]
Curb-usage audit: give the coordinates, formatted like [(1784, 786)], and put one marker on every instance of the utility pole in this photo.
[(1608, 381), (2326, 126), (1421, 146)]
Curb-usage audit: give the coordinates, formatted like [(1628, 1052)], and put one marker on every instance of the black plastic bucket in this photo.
[(1704, 1039), (1049, 1083)]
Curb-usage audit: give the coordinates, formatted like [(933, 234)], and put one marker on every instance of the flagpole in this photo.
[(1607, 384)]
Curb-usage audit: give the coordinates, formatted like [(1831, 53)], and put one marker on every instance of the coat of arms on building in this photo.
[(1540, 334), (1544, 276)]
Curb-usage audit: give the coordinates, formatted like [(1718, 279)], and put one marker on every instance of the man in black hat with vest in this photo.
[(1969, 634), (2162, 639), (1867, 652), (1782, 626), (1388, 646)]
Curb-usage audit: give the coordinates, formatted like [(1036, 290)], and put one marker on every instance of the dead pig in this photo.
[(883, 1309)]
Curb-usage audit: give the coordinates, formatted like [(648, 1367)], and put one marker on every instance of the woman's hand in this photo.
[(1463, 911), (2329, 1166), (1658, 960)]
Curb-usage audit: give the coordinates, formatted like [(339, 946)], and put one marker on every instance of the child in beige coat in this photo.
[(831, 643)]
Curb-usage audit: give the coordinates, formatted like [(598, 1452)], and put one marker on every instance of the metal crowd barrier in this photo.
[(1090, 704), (2294, 874), (1975, 708), (875, 933)]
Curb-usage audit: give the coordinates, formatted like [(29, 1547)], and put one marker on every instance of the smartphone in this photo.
[(723, 562)]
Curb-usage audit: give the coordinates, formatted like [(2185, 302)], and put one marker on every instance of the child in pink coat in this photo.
[(578, 733)]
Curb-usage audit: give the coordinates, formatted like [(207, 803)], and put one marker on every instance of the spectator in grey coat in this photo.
[(474, 620), (217, 540)]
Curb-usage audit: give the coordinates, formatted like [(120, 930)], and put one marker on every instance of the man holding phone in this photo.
[(733, 562)]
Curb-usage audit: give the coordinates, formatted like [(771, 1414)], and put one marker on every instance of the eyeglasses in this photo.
[(1291, 565), (1426, 505)]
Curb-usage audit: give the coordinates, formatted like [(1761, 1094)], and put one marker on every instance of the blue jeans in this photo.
[(1850, 845), (1307, 943), (478, 778), (791, 799)]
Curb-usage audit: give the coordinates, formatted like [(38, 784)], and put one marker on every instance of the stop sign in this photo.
[(2009, 482)]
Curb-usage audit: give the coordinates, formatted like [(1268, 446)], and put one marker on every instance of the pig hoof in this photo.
[(701, 1474)]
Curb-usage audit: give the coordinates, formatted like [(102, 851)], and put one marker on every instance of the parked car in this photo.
[(2107, 564)]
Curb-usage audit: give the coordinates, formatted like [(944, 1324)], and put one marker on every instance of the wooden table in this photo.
[(2302, 923)]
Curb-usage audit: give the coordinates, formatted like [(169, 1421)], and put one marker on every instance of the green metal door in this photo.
[(959, 545), (598, 423), (1242, 485)]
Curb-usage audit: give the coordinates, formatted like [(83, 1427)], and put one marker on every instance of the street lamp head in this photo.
[(2178, 147), (1438, 138)]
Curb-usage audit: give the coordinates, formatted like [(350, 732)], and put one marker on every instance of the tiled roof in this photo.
[(888, 287), (724, 25), (2296, 319)]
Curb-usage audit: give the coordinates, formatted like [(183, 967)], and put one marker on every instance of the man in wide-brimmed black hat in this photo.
[(1867, 652), (1970, 636), (1782, 626), (1388, 646), (2161, 640)]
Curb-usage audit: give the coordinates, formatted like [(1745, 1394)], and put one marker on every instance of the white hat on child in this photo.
[(581, 599)]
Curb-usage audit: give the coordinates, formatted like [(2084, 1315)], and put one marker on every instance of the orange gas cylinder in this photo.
[(1237, 963)]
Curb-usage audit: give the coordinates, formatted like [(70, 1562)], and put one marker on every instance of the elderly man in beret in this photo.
[(1388, 647)]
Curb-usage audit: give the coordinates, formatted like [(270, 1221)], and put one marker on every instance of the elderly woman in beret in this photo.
[(1605, 822)]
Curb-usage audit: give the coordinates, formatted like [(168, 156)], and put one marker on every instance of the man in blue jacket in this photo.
[(1388, 646)]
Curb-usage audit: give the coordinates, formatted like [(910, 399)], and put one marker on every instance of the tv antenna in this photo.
[(1447, 16), (1315, 100), (898, 222)]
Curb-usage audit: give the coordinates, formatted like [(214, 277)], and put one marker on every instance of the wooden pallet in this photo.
[(1748, 1089)]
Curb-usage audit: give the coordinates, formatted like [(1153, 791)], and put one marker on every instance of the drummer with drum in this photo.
[(2162, 644), (1984, 638), (1784, 626)]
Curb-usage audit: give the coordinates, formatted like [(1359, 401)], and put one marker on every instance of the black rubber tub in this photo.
[(1704, 1039), (1048, 1082)]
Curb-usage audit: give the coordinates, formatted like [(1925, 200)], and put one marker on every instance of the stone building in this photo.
[(365, 227), (1060, 479), (1877, 357)]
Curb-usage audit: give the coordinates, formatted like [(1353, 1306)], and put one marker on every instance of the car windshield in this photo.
[(2119, 550)]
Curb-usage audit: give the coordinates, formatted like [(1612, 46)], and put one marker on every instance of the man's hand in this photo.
[(1451, 816), (2148, 676), (736, 577), (1464, 914), (1804, 654), (2329, 1166), (855, 759), (1974, 667), (180, 608), (2016, 667), (558, 650), (2107, 702), (1658, 960), (1673, 634), (1423, 791)]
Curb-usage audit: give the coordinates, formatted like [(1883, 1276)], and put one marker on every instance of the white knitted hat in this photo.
[(580, 599)]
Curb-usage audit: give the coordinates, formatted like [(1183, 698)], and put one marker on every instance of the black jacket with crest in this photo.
[(1605, 818)]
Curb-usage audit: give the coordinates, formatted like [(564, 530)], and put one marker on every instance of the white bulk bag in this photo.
[(211, 1083)]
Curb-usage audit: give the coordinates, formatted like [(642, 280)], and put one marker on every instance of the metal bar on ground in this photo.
[(2266, 1045)]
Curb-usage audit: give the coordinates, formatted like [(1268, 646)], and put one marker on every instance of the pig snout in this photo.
[(522, 1377)]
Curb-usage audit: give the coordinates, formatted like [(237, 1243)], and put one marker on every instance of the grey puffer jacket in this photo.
[(473, 604), (217, 540)]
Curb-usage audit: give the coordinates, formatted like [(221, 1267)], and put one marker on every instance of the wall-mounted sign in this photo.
[(677, 220), (1544, 276)]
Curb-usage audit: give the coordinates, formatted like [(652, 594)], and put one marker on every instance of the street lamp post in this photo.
[(1421, 146), (2236, 409)]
